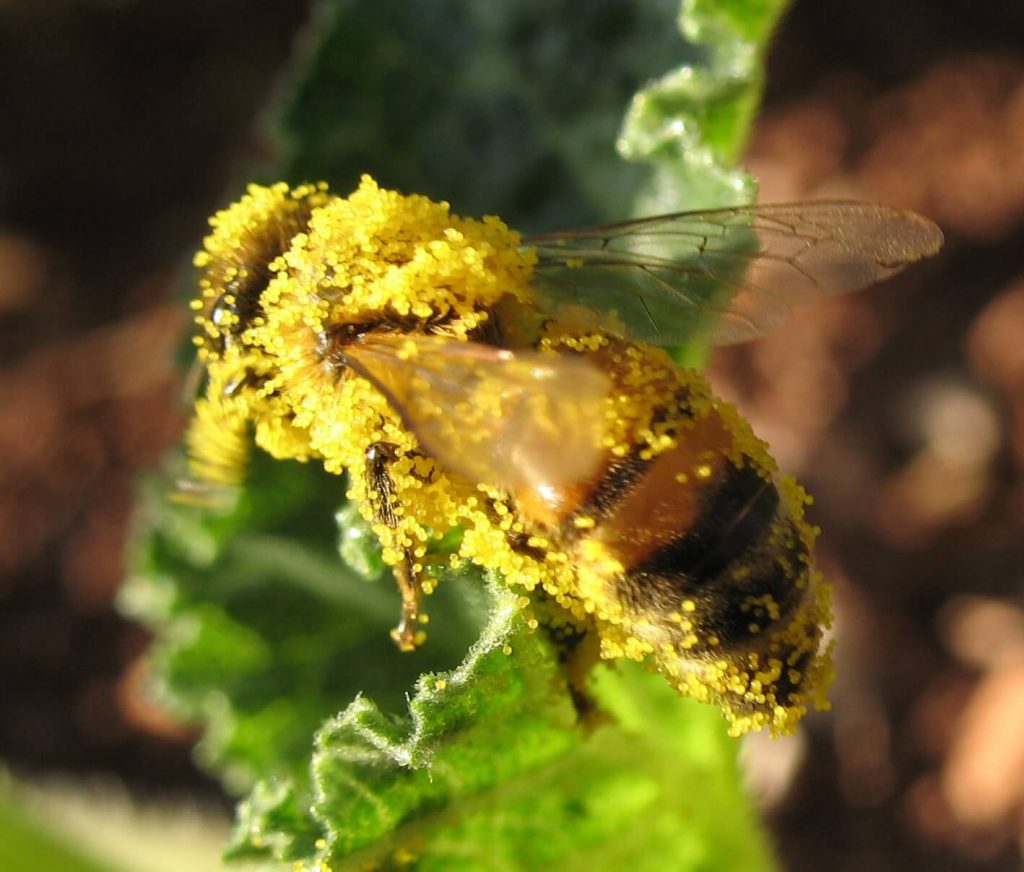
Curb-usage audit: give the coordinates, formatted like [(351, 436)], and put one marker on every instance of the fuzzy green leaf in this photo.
[(443, 759), (263, 631), (491, 769), (692, 124)]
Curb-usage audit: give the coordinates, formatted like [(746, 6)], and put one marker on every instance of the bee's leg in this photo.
[(381, 489), (407, 634), (578, 653)]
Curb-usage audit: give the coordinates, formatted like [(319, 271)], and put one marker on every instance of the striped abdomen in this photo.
[(699, 560)]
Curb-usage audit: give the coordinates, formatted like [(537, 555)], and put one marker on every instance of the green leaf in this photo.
[(350, 752), (263, 632), (491, 769), (500, 108), (691, 125)]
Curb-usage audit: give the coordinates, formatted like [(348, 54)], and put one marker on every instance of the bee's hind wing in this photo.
[(735, 272)]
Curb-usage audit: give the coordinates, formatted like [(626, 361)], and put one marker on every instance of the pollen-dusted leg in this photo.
[(381, 489), (579, 652), (407, 635)]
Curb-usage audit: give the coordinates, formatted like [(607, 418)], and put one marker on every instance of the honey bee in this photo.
[(518, 390)]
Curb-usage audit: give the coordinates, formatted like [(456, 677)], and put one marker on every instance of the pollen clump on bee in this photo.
[(288, 325)]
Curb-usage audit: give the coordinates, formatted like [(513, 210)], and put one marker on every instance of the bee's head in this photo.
[(332, 343), (237, 258)]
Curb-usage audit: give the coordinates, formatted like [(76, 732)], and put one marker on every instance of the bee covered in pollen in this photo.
[(518, 390)]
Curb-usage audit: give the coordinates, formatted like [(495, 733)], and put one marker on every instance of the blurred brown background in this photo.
[(901, 408)]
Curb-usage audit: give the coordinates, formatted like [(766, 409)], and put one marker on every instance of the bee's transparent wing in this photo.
[(522, 421), (734, 272)]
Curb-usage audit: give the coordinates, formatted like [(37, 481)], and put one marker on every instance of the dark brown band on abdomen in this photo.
[(744, 577)]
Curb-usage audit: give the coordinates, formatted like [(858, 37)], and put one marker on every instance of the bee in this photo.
[(519, 390)]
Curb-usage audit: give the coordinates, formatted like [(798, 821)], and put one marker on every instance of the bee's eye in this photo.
[(222, 308), (234, 387), (331, 343), (343, 334)]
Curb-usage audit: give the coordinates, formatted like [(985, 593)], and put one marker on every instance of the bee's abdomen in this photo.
[(735, 512), (723, 551), (737, 569), (703, 556)]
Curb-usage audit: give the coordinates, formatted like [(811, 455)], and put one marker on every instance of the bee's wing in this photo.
[(518, 420), (736, 272)]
